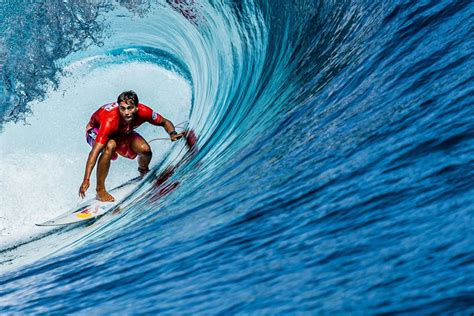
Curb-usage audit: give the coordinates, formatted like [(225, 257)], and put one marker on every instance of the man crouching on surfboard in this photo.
[(110, 132)]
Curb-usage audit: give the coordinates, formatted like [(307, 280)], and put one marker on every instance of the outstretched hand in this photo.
[(83, 188), (175, 137)]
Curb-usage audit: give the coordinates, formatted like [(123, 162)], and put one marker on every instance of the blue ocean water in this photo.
[(333, 170)]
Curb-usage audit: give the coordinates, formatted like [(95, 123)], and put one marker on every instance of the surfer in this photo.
[(110, 132)]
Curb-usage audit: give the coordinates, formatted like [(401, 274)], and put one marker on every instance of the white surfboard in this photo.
[(93, 208)]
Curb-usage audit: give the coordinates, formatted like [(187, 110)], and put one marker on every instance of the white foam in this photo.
[(43, 162)]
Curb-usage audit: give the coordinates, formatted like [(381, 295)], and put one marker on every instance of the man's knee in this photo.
[(110, 147), (144, 149)]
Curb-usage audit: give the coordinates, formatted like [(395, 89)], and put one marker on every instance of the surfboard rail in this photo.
[(93, 208)]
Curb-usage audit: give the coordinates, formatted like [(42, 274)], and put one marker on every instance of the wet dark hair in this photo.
[(128, 96)]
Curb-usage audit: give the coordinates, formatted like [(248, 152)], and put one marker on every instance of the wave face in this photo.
[(333, 173)]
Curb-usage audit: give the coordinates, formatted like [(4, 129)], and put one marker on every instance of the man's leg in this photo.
[(142, 148), (103, 170)]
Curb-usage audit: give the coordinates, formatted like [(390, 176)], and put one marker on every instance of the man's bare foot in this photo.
[(104, 196), (143, 172)]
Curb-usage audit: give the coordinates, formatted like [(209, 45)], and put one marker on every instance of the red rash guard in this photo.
[(110, 123)]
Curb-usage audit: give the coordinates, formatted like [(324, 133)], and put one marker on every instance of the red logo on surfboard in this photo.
[(87, 213)]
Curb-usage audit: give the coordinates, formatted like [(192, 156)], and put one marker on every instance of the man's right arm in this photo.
[(91, 161)]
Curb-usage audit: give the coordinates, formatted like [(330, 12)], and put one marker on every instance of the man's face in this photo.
[(128, 111)]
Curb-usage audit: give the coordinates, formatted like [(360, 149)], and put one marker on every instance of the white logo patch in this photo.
[(110, 106), (154, 116)]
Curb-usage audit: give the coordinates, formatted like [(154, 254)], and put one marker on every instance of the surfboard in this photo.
[(93, 208)]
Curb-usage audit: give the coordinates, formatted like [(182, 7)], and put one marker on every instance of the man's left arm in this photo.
[(156, 119), (169, 127)]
